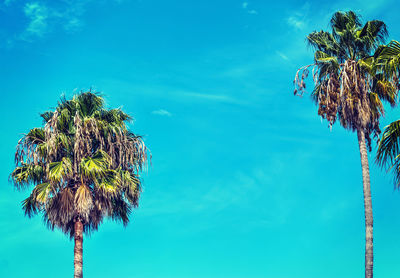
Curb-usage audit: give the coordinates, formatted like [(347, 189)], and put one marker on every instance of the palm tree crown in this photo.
[(84, 165), (349, 84)]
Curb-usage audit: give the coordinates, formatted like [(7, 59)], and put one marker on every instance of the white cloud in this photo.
[(300, 17), (162, 112), (73, 24), (283, 56), (245, 6), (47, 16), (296, 22), (211, 97), (38, 15)]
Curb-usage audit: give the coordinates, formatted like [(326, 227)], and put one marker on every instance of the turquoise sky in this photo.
[(246, 180)]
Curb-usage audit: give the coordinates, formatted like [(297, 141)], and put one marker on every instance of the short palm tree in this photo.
[(349, 87), (83, 164)]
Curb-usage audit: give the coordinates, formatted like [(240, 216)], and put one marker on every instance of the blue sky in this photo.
[(246, 180)]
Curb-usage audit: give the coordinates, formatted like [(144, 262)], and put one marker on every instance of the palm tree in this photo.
[(84, 165), (350, 87)]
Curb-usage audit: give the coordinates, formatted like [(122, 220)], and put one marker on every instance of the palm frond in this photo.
[(89, 103), (60, 170), (26, 174), (46, 116), (342, 21), (30, 206), (95, 166), (386, 90), (389, 145), (83, 201), (325, 42), (372, 35), (42, 192)]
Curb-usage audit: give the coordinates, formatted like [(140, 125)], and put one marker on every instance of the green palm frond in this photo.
[(131, 185), (327, 64), (386, 91), (343, 21), (376, 104), (367, 64), (64, 119), (389, 149), (46, 116), (324, 41), (95, 166), (36, 136), (62, 141), (109, 185), (372, 35), (121, 210), (389, 59), (61, 170), (389, 145), (322, 57), (392, 49), (88, 103), (42, 192), (115, 117), (26, 174), (30, 206)]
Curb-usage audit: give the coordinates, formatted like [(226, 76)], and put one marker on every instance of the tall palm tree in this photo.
[(350, 87), (83, 164)]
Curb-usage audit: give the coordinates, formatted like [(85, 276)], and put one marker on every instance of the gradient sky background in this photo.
[(246, 181)]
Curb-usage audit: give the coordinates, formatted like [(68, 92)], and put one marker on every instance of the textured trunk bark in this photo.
[(369, 255), (78, 235)]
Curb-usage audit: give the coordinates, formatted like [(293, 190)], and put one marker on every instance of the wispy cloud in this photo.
[(211, 97), (38, 15), (174, 94), (162, 112), (299, 18), (48, 16), (73, 24), (44, 18), (245, 6), (296, 22), (283, 56)]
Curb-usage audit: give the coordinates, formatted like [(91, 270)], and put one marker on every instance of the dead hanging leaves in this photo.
[(344, 94)]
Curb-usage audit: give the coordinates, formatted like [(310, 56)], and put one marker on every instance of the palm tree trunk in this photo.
[(78, 235), (369, 255)]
